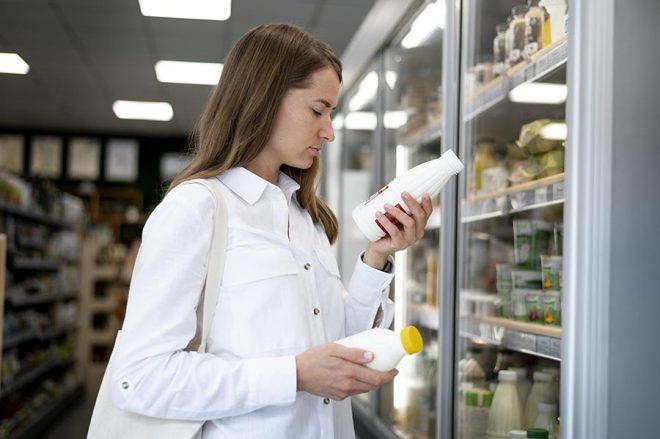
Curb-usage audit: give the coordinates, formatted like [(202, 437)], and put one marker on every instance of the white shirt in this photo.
[(281, 294)]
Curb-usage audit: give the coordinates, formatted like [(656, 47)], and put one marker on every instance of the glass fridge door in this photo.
[(359, 121), (412, 135), (509, 291)]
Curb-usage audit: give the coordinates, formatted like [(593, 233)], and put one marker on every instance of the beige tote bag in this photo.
[(108, 421)]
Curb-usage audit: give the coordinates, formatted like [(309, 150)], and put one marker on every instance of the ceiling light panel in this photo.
[(187, 9), (12, 63), (143, 110), (182, 72)]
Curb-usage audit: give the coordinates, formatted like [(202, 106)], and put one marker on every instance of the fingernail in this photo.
[(388, 206), (368, 356), (406, 194)]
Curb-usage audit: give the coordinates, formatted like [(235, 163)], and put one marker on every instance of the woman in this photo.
[(271, 369)]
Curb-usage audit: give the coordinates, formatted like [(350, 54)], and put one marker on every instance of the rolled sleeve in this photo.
[(368, 291)]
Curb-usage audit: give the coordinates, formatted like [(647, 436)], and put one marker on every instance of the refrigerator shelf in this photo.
[(530, 338), (428, 134), (424, 315), (519, 198), (536, 66)]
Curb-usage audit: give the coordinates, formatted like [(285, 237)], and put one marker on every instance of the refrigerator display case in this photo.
[(511, 136), (412, 120)]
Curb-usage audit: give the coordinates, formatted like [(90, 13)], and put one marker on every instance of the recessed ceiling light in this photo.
[(182, 72), (142, 110), (13, 63), (539, 93), (191, 9)]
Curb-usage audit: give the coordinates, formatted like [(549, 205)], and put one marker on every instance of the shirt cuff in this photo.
[(272, 380), (368, 284)]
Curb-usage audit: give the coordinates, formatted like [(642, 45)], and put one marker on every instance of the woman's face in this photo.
[(303, 122)]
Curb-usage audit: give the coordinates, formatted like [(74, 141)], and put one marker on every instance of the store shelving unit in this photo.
[(531, 69), (535, 194), (104, 288), (48, 379)]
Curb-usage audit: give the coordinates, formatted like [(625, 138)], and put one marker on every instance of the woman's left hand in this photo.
[(400, 237)]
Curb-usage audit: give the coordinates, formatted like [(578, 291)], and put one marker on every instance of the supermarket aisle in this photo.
[(73, 423)]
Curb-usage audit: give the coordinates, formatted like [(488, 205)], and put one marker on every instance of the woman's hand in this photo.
[(335, 371), (399, 237)]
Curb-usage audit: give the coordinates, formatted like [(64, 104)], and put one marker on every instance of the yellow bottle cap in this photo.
[(411, 340)]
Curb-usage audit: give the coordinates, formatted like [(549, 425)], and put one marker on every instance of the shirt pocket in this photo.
[(246, 265), (260, 310), (327, 261)]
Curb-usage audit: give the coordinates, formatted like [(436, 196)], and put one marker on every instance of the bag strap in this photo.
[(215, 259)]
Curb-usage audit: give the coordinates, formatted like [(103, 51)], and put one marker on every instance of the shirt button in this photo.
[(316, 311), (124, 385), (326, 401), (308, 266)]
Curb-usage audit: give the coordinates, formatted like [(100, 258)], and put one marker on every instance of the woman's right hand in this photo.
[(335, 371)]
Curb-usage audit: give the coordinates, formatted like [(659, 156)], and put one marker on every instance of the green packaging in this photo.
[(531, 239), (504, 284), (551, 272), (528, 279), (551, 305), (533, 305)]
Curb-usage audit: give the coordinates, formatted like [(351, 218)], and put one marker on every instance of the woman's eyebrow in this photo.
[(324, 102)]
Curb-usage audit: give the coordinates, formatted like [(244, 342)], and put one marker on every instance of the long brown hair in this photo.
[(239, 116)]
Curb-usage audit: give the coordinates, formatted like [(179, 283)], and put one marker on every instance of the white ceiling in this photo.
[(85, 54)]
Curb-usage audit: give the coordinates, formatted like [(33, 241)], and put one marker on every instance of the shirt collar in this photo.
[(251, 187)]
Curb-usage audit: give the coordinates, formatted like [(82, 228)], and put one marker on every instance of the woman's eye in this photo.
[(317, 113)]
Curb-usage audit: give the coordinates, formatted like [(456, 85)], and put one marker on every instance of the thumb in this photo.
[(358, 356)]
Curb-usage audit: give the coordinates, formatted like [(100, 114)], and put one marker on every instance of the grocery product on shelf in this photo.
[(505, 412), (470, 371), (533, 306), (536, 27), (504, 285), (484, 159), (529, 279), (547, 418), (551, 272), (387, 346), (531, 239), (517, 34), (535, 138), (557, 11), (499, 49), (551, 307), (427, 177), (524, 385), (517, 434), (537, 433), (541, 392), (554, 383), (477, 404)]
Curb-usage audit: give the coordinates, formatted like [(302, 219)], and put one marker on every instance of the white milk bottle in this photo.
[(388, 347), (554, 383), (428, 177), (541, 392), (524, 385), (505, 412), (518, 434), (547, 418)]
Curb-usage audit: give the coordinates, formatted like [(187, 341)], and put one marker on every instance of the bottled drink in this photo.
[(428, 177), (554, 383), (540, 392), (547, 418), (387, 346), (505, 411), (517, 434), (477, 407), (524, 385), (537, 433)]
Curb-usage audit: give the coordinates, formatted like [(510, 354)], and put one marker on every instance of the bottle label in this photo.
[(380, 191)]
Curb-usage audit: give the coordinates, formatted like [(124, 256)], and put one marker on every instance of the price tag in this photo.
[(556, 347), (520, 340), (541, 195), (518, 78), (558, 191), (542, 65)]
